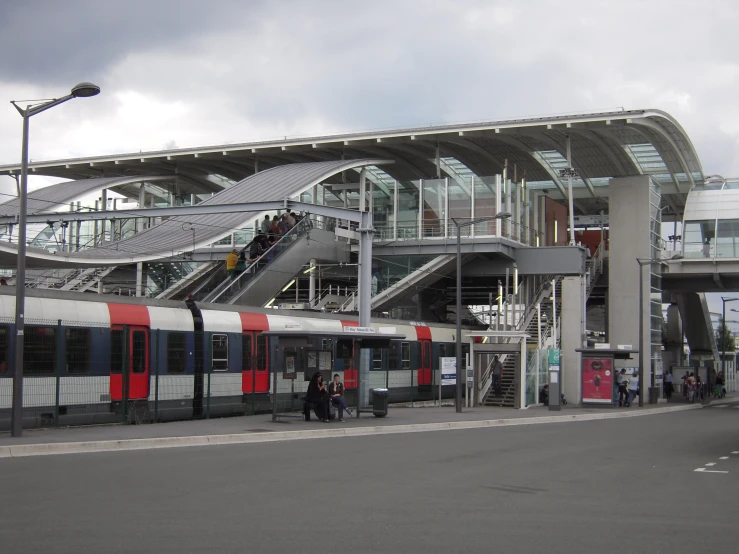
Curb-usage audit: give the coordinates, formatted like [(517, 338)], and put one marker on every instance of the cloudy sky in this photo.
[(190, 72)]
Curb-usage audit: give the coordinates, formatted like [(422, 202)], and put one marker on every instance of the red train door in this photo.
[(424, 369), (423, 335), (255, 366), (130, 348)]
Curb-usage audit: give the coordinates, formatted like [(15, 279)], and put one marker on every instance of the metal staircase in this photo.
[(87, 279), (191, 281), (530, 322)]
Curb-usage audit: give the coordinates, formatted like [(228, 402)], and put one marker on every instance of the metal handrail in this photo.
[(229, 284)]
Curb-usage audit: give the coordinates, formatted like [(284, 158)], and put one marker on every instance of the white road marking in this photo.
[(704, 470), (709, 464), (735, 452), (724, 458), (724, 406)]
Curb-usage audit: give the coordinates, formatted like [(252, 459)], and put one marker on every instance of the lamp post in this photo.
[(724, 301), (643, 263), (459, 224), (82, 90)]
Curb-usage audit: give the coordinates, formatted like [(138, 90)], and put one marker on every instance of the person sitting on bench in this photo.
[(318, 396), (336, 392)]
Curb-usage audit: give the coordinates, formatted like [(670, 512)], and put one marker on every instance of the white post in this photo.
[(554, 314), (446, 207), (569, 192), (535, 202), (472, 205), (395, 210)]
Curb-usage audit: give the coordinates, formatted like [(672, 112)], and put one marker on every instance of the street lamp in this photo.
[(459, 224), (643, 263), (82, 90)]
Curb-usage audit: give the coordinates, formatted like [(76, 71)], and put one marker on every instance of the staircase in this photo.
[(529, 322), (87, 279), (189, 282)]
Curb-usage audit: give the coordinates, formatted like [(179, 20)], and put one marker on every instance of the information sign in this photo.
[(448, 371)]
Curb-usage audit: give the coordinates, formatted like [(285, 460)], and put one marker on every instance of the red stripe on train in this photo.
[(254, 322), (128, 314), (423, 332), (350, 374)]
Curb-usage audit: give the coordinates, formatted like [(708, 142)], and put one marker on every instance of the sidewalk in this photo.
[(260, 428)]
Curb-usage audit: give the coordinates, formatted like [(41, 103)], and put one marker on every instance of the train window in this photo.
[(116, 351), (261, 352), (39, 350), (377, 358), (344, 352), (3, 349), (138, 356), (78, 350), (442, 351), (327, 344), (405, 355), (392, 362), (220, 352), (246, 352), (176, 353)]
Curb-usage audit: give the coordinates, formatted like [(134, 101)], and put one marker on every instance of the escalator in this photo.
[(266, 277)]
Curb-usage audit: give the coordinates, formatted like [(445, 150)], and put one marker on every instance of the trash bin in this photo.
[(380, 400), (653, 395)]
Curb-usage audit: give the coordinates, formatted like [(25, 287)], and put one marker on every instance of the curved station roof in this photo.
[(175, 235), (603, 145)]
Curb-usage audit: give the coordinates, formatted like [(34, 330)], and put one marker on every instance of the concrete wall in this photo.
[(629, 239)]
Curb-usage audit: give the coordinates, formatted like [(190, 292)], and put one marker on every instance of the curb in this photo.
[(86, 447)]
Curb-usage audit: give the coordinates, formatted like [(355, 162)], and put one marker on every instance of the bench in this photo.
[(309, 407)]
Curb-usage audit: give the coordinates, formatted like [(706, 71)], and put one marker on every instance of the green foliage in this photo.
[(724, 338)]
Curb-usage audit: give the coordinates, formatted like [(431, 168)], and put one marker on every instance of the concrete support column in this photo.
[(572, 332), (139, 278), (312, 284), (103, 207)]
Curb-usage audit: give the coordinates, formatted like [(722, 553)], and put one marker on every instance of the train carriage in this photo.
[(90, 360)]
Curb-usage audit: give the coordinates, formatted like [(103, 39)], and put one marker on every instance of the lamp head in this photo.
[(85, 90), (503, 215)]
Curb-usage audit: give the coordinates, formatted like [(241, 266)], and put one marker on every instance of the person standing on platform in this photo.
[(621, 382), (668, 385), (231, 261), (497, 374), (718, 391), (633, 388)]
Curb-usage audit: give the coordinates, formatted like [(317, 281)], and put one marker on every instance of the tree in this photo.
[(724, 338)]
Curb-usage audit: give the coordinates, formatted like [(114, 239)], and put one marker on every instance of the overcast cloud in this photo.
[(190, 72)]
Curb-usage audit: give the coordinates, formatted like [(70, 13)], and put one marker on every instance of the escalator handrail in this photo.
[(230, 283)]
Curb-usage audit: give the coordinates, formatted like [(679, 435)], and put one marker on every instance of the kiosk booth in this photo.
[(598, 374), (298, 354)]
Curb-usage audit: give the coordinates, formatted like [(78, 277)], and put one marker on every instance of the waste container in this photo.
[(653, 395), (380, 400)]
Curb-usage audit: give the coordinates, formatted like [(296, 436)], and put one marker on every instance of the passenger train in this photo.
[(91, 359)]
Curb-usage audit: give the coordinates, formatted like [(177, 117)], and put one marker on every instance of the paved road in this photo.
[(610, 486)]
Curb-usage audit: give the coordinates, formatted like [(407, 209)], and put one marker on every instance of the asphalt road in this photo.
[(609, 486)]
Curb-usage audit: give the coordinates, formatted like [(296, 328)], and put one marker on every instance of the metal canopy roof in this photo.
[(604, 145), (55, 197), (175, 235)]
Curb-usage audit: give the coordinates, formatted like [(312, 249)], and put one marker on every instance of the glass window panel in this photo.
[(485, 205), (116, 351), (3, 350), (220, 352), (405, 355), (138, 356), (393, 356), (698, 238), (434, 207), (246, 352), (383, 209), (408, 202), (460, 200), (726, 238), (78, 350), (39, 350), (261, 353), (176, 353), (377, 358)]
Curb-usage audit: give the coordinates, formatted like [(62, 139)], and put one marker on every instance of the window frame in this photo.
[(405, 348), (213, 358), (32, 351), (173, 349), (85, 359)]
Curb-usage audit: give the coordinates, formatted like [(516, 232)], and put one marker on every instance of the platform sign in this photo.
[(597, 380), (554, 357), (448, 371)]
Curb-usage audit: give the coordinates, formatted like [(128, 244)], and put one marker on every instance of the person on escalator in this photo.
[(231, 260), (266, 224)]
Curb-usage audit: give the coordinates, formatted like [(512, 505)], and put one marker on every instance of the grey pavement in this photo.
[(263, 424), (609, 486)]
